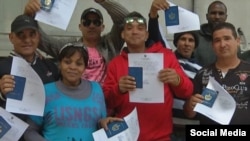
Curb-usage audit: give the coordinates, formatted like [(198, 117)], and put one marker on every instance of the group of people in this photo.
[(213, 51), (92, 72)]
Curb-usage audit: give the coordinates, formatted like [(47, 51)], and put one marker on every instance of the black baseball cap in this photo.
[(91, 10), (23, 22)]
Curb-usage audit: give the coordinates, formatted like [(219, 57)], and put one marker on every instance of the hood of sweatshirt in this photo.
[(206, 31), (156, 47)]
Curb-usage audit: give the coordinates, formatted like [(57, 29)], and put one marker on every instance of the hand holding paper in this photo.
[(221, 107), (59, 15), (18, 90), (116, 127), (186, 21), (28, 91), (47, 5), (150, 64), (172, 16), (209, 96), (11, 127), (127, 130)]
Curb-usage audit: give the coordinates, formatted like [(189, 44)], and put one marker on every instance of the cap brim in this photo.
[(93, 12), (25, 27)]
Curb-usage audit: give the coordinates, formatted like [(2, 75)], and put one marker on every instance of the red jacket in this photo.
[(155, 120)]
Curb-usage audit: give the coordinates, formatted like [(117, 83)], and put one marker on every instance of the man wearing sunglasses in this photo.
[(101, 49)]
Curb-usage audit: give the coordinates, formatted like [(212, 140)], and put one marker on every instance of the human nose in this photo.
[(27, 38), (217, 16), (91, 24), (72, 66), (135, 30), (187, 42), (222, 43)]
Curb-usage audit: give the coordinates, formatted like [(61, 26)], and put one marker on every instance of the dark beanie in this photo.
[(178, 35)]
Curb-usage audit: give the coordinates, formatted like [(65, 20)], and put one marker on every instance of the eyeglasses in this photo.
[(135, 19), (96, 22), (76, 44)]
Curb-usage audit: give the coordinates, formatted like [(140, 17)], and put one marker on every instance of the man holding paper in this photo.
[(230, 72), (25, 38), (155, 118), (101, 49), (185, 43)]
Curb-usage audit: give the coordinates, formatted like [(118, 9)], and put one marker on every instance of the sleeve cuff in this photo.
[(2, 97), (156, 18)]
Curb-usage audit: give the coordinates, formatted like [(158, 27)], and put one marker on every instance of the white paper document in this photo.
[(33, 100), (60, 14), (130, 134), (153, 89), (11, 127), (188, 21), (223, 107)]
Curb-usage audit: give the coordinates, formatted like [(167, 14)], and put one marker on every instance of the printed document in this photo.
[(60, 14), (33, 100), (152, 90), (130, 134), (11, 127), (223, 107), (188, 21)]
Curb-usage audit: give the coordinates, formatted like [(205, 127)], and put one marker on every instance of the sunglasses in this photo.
[(135, 19), (96, 22), (76, 44)]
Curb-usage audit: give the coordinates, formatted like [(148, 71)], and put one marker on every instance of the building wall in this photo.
[(9, 9), (237, 11)]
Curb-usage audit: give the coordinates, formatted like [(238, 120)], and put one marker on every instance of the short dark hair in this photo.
[(71, 48), (216, 2), (225, 25)]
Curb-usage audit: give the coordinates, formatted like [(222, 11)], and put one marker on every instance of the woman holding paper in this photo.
[(74, 107)]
